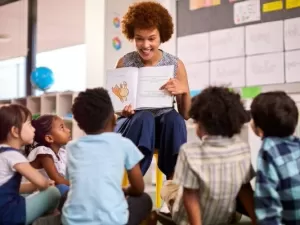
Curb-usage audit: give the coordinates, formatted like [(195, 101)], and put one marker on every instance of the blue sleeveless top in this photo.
[(133, 59), (12, 204)]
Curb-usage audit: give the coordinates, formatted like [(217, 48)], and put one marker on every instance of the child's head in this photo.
[(274, 114), (218, 111), (93, 111), (50, 130), (15, 125)]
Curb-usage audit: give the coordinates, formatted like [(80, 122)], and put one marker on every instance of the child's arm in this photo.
[(192, 205), (268, 207), (186, 177), (132, 158), (246, 196), (27, 188), (48, 164), (32, 175), (136, 181)]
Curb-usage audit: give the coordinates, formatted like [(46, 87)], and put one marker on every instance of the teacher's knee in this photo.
[(173, 117), (143, 116)]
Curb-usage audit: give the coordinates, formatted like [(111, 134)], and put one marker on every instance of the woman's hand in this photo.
[(127, 111), (175, 87)]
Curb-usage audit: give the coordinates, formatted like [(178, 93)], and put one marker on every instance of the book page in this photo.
[(149, 82), (121, 85)]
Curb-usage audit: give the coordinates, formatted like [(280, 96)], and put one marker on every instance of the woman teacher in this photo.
[(149, 24)]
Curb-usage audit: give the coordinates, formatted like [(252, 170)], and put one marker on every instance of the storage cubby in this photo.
[(4, 102), (48, 104), (20, 101), (33, 103), (64, 105)]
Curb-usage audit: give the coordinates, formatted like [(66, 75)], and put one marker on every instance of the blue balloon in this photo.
[(42, 78)]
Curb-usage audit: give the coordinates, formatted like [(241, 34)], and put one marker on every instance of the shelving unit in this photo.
[(58, 103)]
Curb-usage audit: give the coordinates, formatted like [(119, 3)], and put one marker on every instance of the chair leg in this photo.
[(159, 183), (125, 182)]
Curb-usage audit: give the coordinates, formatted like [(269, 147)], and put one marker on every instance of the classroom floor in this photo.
[(150, 189)]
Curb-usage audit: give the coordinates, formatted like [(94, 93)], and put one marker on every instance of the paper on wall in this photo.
[(246, 11)]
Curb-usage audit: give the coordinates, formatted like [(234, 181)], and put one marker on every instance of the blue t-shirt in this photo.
[(95, 168)]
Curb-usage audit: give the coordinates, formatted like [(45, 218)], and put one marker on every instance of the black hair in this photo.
[(12, 115), (219, 111), (275, 113), (43, 126), (92, 109)]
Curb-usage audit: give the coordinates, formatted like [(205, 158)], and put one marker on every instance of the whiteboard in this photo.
[(264, 38), (292, 34), (198, 75), (230, 72), (227, 43), (265, 69), (193, 48), (292, 66)]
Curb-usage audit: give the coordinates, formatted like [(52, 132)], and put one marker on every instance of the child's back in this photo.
[(95, 170), (212, 174), (217, 167), (277, 190)]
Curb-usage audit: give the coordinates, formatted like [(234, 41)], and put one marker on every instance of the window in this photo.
[(68, 66), (12, 78)]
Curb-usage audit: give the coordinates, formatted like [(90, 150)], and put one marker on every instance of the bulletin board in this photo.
[(239, 43)]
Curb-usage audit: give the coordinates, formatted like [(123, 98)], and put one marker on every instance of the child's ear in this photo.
[(256, 129), (15, 132), (49, 139)]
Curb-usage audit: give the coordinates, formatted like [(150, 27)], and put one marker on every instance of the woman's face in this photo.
[(147, 42)]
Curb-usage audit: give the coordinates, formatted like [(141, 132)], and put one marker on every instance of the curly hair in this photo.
[(219, 111), (146, 15), (92, 109), (275, 113)]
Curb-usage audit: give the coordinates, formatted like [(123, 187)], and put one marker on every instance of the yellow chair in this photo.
[(159, 181)]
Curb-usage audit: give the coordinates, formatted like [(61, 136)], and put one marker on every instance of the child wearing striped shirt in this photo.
[(212, 174)]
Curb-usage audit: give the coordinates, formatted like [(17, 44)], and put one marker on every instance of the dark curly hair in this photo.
[(92, 109), (12, 115), (43, 127), (219, 111), (275, 113), (146, 15)]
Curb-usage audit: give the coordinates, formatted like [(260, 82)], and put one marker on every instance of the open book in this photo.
[(139, 87)]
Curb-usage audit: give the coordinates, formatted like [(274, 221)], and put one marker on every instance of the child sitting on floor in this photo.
[(210, 175), (47, 154), (15, 132), (95, 168), (277, 191)]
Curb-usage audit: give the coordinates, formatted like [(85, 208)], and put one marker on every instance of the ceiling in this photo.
[(61, 23)]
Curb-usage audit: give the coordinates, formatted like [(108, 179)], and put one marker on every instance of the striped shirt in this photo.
[(217, 167), (277, 191)]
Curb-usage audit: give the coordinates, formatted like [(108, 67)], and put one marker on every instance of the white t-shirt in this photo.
[(60, 162), (8, 160)]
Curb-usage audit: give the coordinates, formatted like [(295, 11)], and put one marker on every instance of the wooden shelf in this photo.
[(59, 103)]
